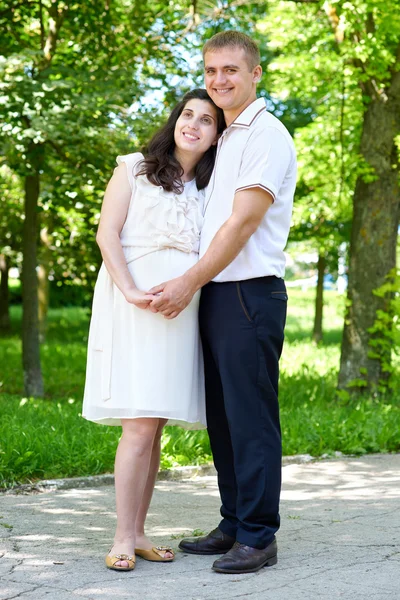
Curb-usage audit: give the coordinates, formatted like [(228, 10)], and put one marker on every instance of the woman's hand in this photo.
[(139, 298)]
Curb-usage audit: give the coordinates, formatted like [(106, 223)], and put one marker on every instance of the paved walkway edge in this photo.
[(173, 474)]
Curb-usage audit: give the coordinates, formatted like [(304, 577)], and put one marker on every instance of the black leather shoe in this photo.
[(245, 559), (215, 542)]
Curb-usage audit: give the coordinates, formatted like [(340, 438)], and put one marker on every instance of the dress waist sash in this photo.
[(182, 242)]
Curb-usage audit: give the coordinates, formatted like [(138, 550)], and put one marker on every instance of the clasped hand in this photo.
[(172, 297), (169, 298), (139, 298)]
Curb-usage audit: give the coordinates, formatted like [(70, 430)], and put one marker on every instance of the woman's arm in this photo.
[(113, 215)]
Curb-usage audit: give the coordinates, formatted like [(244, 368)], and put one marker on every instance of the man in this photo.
[(243, 306)]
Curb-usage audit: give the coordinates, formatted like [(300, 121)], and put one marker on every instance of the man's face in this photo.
[(229, 80)]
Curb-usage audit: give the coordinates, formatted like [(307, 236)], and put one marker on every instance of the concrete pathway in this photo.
[(340, 538)]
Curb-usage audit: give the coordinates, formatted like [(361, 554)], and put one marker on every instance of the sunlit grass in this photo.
[(48, 438)]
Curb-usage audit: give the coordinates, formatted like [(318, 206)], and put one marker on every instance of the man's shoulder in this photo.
[(268, 127), (267, 120)]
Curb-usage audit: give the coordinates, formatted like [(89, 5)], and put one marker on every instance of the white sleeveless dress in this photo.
[(140, 364)]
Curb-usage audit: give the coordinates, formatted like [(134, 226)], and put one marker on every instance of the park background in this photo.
[(80, 83)]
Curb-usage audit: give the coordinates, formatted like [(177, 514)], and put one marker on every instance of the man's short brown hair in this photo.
[(234, 39)]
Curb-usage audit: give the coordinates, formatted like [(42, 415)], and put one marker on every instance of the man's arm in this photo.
[(249, 208)]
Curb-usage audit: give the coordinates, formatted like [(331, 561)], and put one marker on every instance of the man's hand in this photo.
[(174, 296)]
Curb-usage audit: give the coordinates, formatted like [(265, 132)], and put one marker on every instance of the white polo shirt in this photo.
[(255, 151)]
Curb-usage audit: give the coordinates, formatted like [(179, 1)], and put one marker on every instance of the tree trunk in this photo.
[(44, 287), (319, 299), (373, 238), (43, 298), (5, 322), (33, 382)]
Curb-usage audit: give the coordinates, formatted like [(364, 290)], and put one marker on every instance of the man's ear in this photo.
[(257, 73)]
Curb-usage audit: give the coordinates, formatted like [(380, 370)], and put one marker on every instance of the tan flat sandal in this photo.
[(114, 558), (156, 554)]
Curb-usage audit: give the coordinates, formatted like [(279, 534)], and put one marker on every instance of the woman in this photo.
[(143, 369)]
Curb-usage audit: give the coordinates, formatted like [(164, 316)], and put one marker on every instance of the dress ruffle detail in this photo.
[(174, 219)]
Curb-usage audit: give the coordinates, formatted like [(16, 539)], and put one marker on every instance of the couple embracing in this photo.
[(190, 306)]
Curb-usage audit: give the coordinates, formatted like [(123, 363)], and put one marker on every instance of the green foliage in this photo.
[(184, 447), (371, 37), (48, 439), (184, 534)]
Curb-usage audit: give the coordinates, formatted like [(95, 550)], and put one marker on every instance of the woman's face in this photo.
[(196, 128)]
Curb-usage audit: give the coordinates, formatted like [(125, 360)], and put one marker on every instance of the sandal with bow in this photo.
[(112, 559), (156, 554)]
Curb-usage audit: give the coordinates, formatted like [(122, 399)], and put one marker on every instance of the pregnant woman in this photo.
[(144, 370)]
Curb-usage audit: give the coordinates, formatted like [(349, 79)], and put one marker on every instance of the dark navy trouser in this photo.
[(242, 326)]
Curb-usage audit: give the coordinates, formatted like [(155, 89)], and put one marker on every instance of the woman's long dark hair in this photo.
[(160, 164)]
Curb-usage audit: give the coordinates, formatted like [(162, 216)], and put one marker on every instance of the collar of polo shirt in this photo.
[(249, 114)]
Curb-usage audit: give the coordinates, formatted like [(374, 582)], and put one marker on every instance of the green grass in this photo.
[(47, 438)]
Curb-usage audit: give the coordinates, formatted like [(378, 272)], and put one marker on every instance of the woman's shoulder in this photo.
[(131, 159)]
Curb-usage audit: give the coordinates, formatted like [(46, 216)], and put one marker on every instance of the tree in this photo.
[(358, 42), (326, 136), (69, 72), (375, 56), (5, 322)]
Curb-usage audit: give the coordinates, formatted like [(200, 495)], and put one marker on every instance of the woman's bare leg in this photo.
[(132, 464), (141, 540)]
